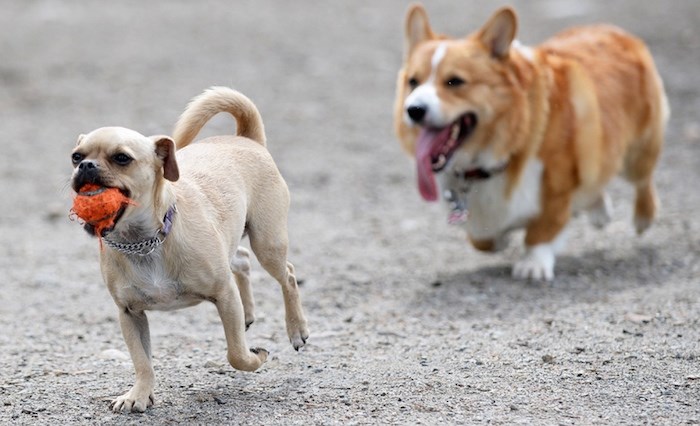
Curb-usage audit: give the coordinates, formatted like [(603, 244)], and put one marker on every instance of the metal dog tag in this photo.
[(458, 207)]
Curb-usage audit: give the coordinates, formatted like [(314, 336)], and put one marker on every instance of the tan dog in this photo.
[(523, 137), (178, 245)]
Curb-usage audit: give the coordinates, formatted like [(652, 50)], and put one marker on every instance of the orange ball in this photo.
[(99, 205)]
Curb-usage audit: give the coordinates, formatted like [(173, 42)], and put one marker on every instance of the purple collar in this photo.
[(168, 220)]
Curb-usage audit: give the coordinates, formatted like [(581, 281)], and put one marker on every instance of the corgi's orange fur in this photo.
[(530, 134)]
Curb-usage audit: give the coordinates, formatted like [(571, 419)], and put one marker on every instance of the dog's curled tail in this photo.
[(213, 101)]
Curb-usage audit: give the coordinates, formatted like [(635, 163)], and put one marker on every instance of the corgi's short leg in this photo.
[(544, 237), (600, 213), (640, 161), (645, 206)]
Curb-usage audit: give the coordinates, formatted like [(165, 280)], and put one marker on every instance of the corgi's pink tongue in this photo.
[(430, 142)]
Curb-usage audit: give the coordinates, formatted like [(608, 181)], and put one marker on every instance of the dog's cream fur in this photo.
[(558, 120), (223, 187)]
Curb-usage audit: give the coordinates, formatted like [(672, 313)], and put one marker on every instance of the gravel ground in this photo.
[(409, 325)]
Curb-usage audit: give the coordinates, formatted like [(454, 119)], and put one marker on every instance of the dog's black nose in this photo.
[(417, 112), (87, 172), (86, 165)]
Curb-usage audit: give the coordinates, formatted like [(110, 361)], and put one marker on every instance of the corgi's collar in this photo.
[(481, 173)]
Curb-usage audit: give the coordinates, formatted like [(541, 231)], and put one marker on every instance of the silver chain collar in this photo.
[(146, 247), (142, 248)]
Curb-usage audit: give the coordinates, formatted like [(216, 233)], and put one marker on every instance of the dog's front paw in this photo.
[(298, 334), (538, 264), (136, 400)]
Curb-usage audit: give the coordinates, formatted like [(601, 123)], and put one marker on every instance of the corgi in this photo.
[(518, 137)]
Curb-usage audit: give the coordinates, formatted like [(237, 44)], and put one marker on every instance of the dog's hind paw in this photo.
[(600, 214), (262, 352), (642, 224), (298, 337)]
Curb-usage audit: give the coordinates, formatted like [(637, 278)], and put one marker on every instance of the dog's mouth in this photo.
[(92, 229), (436, 147)]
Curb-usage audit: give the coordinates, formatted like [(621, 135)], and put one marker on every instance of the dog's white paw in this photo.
[(600, 214), (136, 400), (538, 264)]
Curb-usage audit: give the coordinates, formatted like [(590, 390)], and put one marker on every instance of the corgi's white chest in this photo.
[(490, 213)]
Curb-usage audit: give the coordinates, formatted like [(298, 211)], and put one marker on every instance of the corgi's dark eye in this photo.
[(455, 82), (121, 159), (413, 83), (76, 158)]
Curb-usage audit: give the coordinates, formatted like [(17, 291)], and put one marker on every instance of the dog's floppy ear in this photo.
[(499, 32), (417, 27), (80, 139), (165, 150)]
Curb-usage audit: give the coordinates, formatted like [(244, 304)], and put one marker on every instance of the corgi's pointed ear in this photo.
[(417, 28), (165, 150), (499, 32)]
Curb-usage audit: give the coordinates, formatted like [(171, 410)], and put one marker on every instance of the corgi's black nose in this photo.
[(417, 112)]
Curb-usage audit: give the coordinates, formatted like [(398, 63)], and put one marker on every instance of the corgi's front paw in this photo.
[(538, 264)]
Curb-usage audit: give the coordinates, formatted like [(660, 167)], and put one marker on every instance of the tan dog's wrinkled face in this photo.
[(453, 96), (116, 157)]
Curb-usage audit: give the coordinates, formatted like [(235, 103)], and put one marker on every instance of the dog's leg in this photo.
[(645, 206), (640, 162), (271, 251), (134, 327), (600, 213), (543, 239), (640, 173), (228, 303), (240, 265)]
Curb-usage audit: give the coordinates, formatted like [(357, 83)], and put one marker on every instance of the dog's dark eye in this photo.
[(413, 83), (121, 159), (455, 82), (76, 158)]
